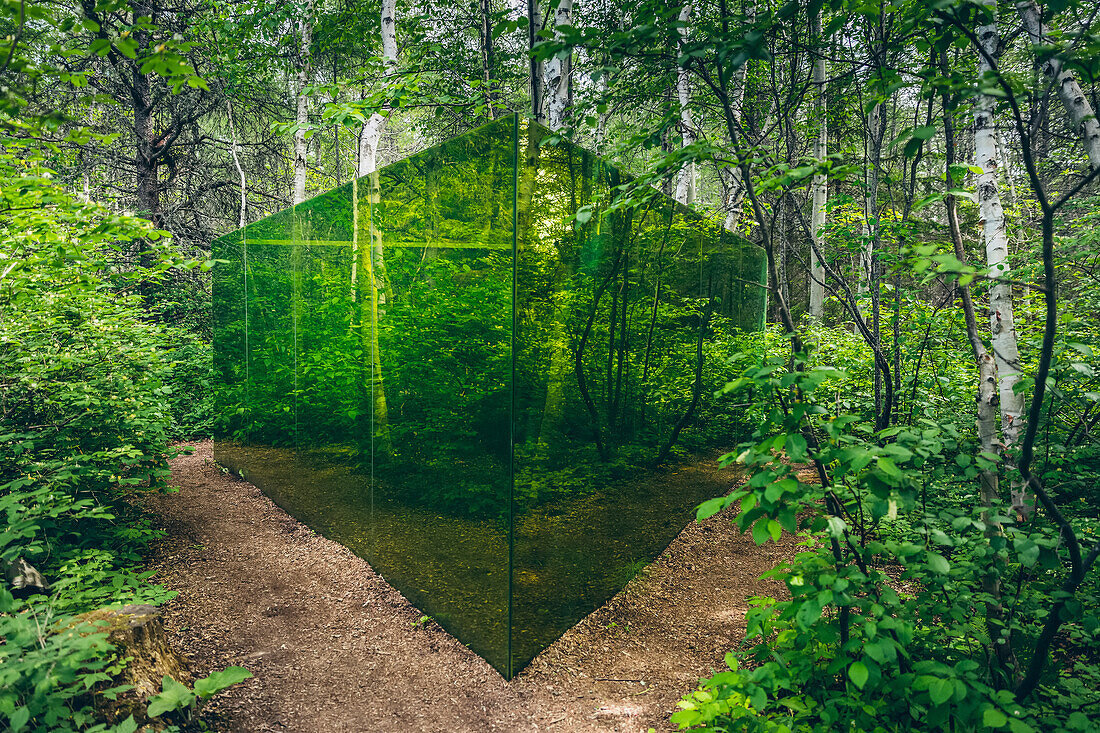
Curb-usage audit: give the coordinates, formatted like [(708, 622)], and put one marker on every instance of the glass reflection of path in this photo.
[(578, 553), (505, 408)]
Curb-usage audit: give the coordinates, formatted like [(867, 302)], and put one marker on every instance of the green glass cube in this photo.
[(474, 373)]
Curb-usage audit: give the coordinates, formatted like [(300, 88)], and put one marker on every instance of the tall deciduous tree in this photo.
[(557, 72), (685, 181), (301, 100), (820, 180), (1002, 319), (1080, 111)]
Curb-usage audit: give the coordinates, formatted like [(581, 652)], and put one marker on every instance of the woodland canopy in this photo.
[(920, 177)]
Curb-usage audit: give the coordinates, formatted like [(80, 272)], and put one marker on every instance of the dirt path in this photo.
[(334, 648)]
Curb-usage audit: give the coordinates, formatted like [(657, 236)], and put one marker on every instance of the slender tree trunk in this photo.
[(1001, 316), (733, 188), (1069, 90), (148, 151), (370, 267), (487, 52), (558, 74), (820, 183), (986, 398), (870, 254), (601, 122), (305, 67), (685, 182), (233, 149), (875, 132), (534, 24)]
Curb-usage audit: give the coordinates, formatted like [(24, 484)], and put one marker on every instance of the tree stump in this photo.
[(138, 635)]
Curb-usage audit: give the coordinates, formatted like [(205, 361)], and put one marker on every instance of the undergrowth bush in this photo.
[(85, 424), (912, 606)]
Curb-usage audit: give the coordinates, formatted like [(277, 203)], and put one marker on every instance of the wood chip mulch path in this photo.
[(334, 648)]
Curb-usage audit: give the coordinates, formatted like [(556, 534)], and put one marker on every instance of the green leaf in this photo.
[(1027, 551), (796, 447), (127, 726), (808, 614), (19, 719), (938, 563), (760, 531), (859, 674), (888, 467), (218, 681), (709, 508), (174, 696), (993, 718), (941, 690)]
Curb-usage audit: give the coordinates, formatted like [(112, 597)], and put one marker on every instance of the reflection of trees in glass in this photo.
[(623, 318), (443, 353), (371, 285), (623, 322)]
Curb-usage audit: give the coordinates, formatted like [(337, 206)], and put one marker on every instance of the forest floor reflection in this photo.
[(334, 648), (570, 555)]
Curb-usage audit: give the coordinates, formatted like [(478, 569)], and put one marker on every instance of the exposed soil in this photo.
[(333, 647)]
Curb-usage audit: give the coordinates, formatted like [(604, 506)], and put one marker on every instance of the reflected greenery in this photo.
[(504, 406)]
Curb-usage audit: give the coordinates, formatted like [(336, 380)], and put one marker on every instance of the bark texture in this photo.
[(685, 182), (305, 67), (1081, 114), (995, 235), (557, 74), (820, 185)]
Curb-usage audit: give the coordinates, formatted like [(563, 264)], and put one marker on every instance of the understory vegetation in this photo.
[(920, 176)]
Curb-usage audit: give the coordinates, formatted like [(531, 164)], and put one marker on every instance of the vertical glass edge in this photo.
[(512, 408)]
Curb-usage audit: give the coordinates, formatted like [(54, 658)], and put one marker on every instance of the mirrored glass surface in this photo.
[(504, 406)]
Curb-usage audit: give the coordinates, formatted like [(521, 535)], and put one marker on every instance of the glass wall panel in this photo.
[(378, 340), (230, 346), (505, 407), (442, 222), (624, 319)]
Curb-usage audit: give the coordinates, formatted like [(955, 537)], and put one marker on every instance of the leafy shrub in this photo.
[(929, 628), (84, 424)]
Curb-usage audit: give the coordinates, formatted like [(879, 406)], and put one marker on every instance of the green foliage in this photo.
[(891, 624), (85, 425), (190, 376), (48, 669), (178, 701)]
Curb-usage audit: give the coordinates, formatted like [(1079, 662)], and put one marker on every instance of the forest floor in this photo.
[(333, 647)]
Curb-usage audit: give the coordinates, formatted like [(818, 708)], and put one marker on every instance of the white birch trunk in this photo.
[(389, 35), (557, 74), (875, 130), (369, 259), (995, 234), (304, 68), (733, 188), (234, 151), (1069, 90), (685, 182), (601, 124), (820, 186)]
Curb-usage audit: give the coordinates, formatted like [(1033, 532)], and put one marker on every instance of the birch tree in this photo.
[(733, 188), (1081, 114), (685, 182), (305, 67), (556, 102), (995, 236), (557, 73), (368, 262), (485, 34)]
